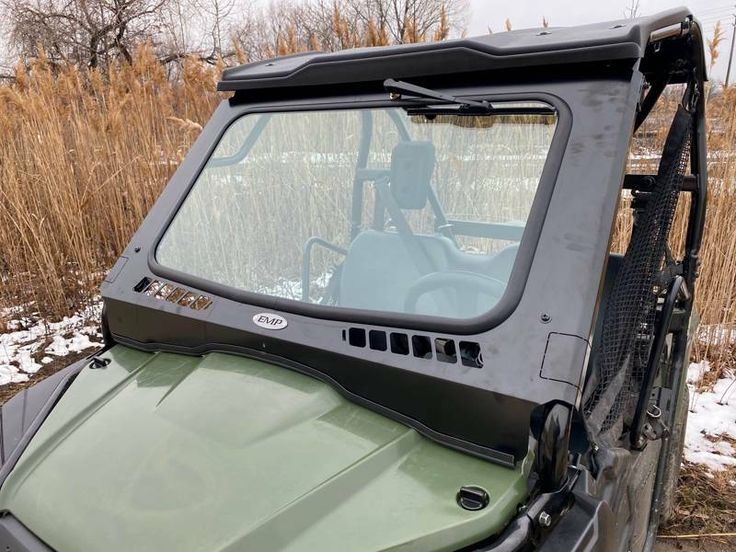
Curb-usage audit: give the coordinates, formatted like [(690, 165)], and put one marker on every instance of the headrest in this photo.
[(412, 165)]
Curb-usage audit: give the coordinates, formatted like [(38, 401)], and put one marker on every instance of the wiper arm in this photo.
[(398, 89)]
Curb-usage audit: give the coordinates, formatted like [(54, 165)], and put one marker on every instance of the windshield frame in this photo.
[(462, 326)]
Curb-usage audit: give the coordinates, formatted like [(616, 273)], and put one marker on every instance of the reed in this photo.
[(83, 155)]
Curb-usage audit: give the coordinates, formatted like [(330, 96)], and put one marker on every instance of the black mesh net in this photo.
[(622, 348)]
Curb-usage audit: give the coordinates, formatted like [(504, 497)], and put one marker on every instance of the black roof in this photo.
[(600, 42)]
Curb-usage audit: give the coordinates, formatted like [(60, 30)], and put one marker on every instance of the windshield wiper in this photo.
[(399, 89)]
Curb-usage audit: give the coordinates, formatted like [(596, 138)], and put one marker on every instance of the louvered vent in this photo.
[(421, 346), (172, 293)]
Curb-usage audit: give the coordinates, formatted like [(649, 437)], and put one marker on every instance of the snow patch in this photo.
[(696, 371), (711, 422), (27, 339), (61, 346)]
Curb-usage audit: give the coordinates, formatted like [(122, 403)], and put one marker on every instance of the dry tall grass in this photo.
[(716, 291), (83, 155)]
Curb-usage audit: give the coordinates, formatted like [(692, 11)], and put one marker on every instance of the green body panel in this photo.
[(161, 451)]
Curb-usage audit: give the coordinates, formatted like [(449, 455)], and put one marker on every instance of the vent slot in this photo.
[(187, 299), (399, 343), (422, 346), (201, 302), (143, 284), (153, 288), (175, 295), (446, 351), (470, 354), (164, 291), (377, 340), (356, 337)]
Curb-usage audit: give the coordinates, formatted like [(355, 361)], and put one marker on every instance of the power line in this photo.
[(708, 22), (708, 11), (726, 13), (708, 5), (714, 15)]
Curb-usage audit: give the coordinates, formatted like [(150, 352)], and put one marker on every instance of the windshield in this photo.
[(371, 209)]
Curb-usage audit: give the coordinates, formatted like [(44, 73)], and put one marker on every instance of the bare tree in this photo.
[(95, 32), (330, 25), (632, 10), (217, 16), (408, 20), (84, 32)]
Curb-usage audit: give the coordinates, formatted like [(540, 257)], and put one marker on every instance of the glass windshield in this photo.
[(372, 209)]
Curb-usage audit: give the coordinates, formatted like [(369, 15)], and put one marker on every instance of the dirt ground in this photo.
[(693, 545)]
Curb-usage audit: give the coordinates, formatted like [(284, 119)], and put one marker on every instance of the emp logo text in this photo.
[(270, 321)]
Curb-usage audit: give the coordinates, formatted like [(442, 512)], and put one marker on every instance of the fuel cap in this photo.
[(470, 497)]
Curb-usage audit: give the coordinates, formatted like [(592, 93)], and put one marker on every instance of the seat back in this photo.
[(378, 271)]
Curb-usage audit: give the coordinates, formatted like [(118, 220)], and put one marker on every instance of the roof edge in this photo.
[(599, 42)]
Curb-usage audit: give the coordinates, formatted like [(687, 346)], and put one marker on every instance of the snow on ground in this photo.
[(27, 344), (711, 423)]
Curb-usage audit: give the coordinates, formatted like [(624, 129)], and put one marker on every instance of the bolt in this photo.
[(98, 363), (545, 317), (137, 249), (545, 520)]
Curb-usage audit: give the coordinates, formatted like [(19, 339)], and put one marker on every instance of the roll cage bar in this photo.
[(678, 302), (566, 481)]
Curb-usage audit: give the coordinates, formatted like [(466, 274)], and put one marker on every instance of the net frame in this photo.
[(622, 350)]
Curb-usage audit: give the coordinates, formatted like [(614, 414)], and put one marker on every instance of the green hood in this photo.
[(170, 452)]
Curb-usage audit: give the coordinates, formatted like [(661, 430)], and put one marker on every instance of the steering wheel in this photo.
[(468, 285)]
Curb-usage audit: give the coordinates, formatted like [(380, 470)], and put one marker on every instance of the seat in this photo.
[(381, 266)]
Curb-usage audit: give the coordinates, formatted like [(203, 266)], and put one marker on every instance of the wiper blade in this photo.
[(399, 89)]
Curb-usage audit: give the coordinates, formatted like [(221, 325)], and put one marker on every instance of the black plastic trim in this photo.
[(69, 374), (496, 456), (16, 537), (597, 43)]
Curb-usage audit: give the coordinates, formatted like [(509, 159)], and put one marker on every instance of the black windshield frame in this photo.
[(522, 264)]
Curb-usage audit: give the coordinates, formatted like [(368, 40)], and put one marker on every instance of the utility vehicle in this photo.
[(376, 308)]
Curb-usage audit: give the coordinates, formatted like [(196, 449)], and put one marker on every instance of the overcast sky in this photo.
[(529, 13)]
